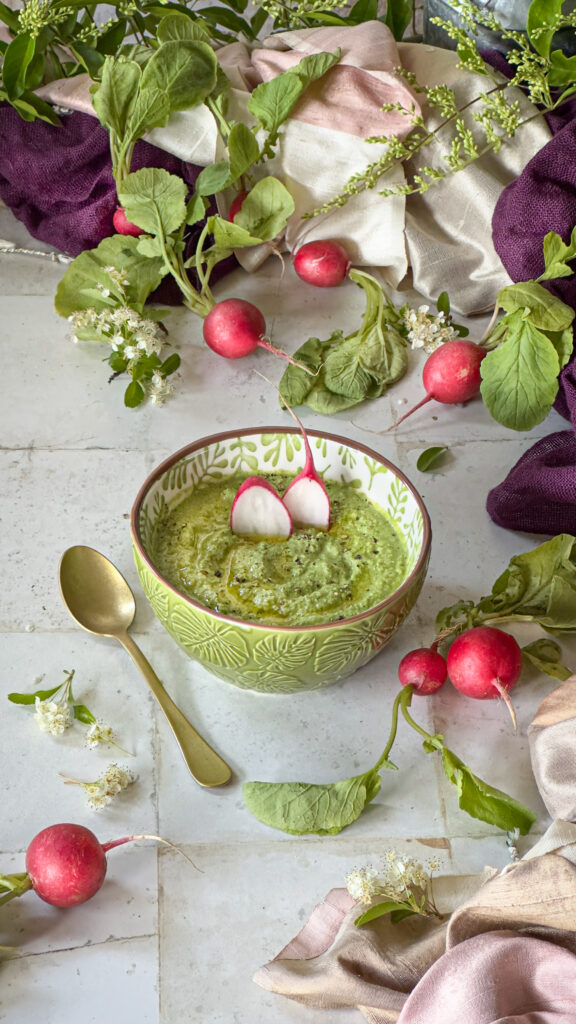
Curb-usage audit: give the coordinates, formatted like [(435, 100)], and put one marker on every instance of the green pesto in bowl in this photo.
[(313, 576)]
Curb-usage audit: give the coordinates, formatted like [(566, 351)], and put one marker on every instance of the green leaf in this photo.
[(265, 209), (120, 251), (213, 178), (374, 357), (363, 10), (17, 57), (545, 655), (30, 106), (537, 304), (520, 377), (109, 41), (134, 395), (179, 75), (563, 342), (398, 16), (154, 199), (195, 210), (243, 150), (556, 256), (88, 57), (301, 808), (82, 714), (170, 365), (563, 70), (271, 102), (113, 98), (10, 18), (443, 303), (30, 698), (381, 909), (296, 384), (177, 26), (430, 458), (541, 13), (482, 801)]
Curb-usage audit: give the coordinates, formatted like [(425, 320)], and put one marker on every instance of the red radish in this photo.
[(485, 662), (306, 498), (236, 204), (424, 669), (322, 263), (123, 226), (451, 374), (258, 511), (66, 863), (234, 328)]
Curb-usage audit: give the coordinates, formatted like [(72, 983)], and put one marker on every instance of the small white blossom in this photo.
[(102, 791), (427, 331), (362, 884), (98, 733), (53, 716)]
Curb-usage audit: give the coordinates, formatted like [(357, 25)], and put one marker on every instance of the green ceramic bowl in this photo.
[(279, 659)]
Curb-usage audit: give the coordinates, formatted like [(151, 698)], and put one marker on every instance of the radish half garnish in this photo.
[(258, 510), (307, 498)]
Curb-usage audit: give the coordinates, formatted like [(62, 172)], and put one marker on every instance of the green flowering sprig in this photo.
[(402, 887), (136, 341), (483, 124), (55, 711)]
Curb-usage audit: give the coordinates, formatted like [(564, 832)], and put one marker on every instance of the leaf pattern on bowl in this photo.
[(210, 641), (278, 445), (354, 645), (289, 651), (268, 679)]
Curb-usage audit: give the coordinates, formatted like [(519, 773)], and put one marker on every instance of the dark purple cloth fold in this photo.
[(58, 182), (539, 493)]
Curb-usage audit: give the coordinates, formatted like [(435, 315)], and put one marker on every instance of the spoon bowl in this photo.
[(100, 600)]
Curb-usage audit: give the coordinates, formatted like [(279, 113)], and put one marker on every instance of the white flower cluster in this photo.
[(98, 732), (427, 331), (54, 716), (402, 879), (113, 781)]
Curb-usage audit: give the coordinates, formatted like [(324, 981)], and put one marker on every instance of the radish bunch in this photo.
[(484, 663)]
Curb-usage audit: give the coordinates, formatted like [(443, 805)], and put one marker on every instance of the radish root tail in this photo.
[(506, 698), (414, 408)]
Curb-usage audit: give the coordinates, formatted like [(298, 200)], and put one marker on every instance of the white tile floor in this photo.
[(162, 943)]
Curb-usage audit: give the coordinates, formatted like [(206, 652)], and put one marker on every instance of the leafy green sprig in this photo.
[(529, 344), (537, 587), (468, 131), (303, 808)]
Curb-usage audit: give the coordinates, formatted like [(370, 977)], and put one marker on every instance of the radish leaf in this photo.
[(520, 377), (430, 458), (482, 801), (545, 655), (301, 808)]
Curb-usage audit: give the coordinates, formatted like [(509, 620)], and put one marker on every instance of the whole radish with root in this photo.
[(235, 328), (485, 663), (451, 375), (65, 865)]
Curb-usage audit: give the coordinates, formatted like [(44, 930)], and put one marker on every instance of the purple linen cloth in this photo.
[(58, 182), (539, 493)]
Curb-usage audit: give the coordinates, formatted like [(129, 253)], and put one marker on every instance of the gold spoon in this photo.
[(100, 600)]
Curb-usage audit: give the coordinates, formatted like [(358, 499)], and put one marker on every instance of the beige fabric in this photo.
[(376, 967), (449, 228), (551, 736)]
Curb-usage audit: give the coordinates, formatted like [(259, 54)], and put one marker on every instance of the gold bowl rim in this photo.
[(225, 435)]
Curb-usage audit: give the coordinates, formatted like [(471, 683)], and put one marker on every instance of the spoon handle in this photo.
[(206, 766)]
